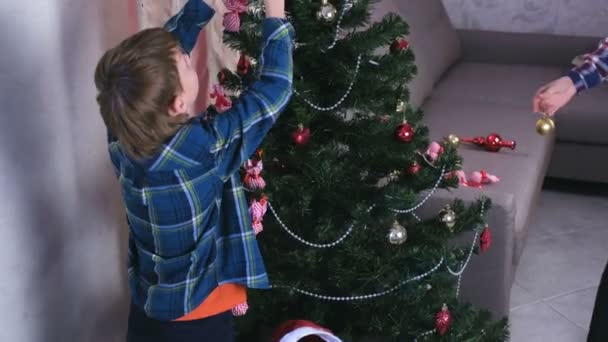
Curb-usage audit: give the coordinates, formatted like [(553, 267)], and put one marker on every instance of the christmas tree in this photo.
[(335, 187)]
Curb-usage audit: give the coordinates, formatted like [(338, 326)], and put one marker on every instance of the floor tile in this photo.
[(577, 307), (561, 213), (539, 323), (521, 296), (561, 264)]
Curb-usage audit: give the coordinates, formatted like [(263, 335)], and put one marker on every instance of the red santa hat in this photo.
[(303, 331)]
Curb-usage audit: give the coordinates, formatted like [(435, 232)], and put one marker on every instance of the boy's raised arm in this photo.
[(237, 133), (188, 23)]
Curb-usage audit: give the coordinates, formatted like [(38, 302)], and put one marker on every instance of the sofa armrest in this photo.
[(523, 48), (487, 280)]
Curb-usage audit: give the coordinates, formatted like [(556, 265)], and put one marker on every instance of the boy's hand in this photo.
[(275, 8), (553, 96)]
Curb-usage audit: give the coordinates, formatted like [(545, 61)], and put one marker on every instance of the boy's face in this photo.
[(189, 81)]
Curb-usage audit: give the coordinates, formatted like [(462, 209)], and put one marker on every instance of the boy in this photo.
[(549, 99), (192, 250)]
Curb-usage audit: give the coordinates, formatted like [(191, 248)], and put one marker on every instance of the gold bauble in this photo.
[(448, 216), (397, 235), (545, 125), (401, 106), (327, 13), (453, 140)]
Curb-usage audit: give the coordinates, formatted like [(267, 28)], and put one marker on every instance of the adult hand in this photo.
[(552, 97)]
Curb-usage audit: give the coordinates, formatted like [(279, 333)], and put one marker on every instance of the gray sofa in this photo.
[(473, 83)]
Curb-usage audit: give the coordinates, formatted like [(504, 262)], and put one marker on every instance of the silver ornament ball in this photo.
[(327, 13), (397, 235), (448, 216)]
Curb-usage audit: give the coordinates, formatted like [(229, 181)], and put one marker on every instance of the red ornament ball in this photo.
[(414, 169), (400, 45), (242, 67), (485, 240), (443, 320), (404, 132), (493, 142), (301, 136)]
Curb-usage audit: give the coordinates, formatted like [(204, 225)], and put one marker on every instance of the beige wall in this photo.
[(63, 236), (564, 17)]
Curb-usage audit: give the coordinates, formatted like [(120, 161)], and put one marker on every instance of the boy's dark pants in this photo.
[(598, 331), (218, 328)]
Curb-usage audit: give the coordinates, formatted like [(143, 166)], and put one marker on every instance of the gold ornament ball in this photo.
[(545, 125), (453, 140), (397, 235), (401, 106), (448, 216), (327, 12)]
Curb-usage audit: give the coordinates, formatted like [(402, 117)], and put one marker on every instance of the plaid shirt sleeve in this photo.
[(594, 71), (236, 133), (188, 23)]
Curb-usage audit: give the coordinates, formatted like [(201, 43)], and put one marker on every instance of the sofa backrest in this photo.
[(433, 40), (523, 48)]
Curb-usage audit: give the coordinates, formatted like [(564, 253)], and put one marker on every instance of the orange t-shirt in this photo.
[(221, 299)]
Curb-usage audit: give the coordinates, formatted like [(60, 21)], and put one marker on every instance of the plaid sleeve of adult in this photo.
[(188, 23), (238, 132), (593, 71)]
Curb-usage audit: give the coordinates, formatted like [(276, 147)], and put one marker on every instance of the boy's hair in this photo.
[(136, 83)]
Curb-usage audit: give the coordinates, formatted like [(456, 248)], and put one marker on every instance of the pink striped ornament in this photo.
[(240, 309), (258, 209), (232, 20)]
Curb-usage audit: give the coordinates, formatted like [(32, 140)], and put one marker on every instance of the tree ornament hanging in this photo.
[(453, 140), (232, 19), (414, 169), (222, 102), (400, 45), (401, 106), (404, 132), (485, 240), (443, 320), (327, 13), (397, 234), (545, 125), (243, 65), (448, 217), (301, 136)]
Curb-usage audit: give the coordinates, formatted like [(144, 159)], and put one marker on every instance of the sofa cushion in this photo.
[(585, 119), (521, 171), (434, 41)]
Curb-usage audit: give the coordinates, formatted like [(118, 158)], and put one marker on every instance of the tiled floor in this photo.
[(560, 268)]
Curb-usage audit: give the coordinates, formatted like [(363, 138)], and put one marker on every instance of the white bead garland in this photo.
[(459, 273), (426, 198), (424, 334), (361, 297), (311, 244), (347, 6), (350, 88)]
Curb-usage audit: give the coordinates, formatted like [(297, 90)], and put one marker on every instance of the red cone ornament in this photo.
[(485, 240), (443, 320)]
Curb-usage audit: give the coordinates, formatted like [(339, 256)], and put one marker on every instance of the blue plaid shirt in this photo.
[(189, 225), (594, 70)]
